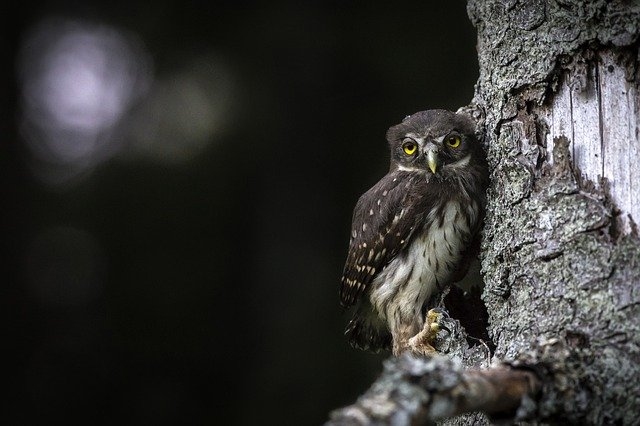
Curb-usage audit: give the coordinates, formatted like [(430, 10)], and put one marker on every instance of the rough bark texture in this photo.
[(561, 264), (416, 390), (559, 91)]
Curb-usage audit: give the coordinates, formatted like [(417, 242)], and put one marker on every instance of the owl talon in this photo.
[(434, 319), (432, 323), (422, 343), (444, 327)]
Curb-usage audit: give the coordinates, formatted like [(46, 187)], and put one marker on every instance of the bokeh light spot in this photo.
[(185, 112), (77, 82)]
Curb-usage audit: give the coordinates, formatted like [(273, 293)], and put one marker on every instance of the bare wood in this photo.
[(497, 390), (598, 109)]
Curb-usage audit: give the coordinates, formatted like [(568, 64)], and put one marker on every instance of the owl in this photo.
[(414, 232)]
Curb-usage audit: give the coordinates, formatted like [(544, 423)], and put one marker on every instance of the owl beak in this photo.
[(432, 160)]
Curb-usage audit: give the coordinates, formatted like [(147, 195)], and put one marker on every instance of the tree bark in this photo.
[(561, 260), (559, 90)]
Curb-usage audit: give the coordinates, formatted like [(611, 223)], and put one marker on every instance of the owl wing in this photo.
[(384, 221)]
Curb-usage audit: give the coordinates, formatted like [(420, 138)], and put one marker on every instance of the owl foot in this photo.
[(422, 343)]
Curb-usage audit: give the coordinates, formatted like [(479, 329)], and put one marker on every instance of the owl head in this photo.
[(433, 141)]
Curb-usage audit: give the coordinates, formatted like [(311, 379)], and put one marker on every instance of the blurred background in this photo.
[(177, 181)]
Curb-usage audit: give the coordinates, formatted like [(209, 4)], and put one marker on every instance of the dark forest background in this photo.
[(178, 261)]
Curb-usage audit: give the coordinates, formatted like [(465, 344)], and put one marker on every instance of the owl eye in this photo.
[(409, 147), (453, 141)]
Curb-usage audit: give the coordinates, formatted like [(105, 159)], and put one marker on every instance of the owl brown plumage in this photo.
[(412, 231)]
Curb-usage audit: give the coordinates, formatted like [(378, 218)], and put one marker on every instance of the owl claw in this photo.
[(434, 319), (432, 322), (444, 327), (422, 343)]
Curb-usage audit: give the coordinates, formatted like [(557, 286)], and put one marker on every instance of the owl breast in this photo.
[(427, 265)]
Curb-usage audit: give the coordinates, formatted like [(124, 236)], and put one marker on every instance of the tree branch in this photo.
[(414, 390)]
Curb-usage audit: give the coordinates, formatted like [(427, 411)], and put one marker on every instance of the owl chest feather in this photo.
[(427, 264)]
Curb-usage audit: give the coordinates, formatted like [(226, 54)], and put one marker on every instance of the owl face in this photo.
[(431, 140)]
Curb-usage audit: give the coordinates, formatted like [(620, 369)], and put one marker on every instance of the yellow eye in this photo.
[(453, 141), (409, 147)]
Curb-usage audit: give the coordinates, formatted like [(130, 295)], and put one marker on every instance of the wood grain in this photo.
[(598, 111)]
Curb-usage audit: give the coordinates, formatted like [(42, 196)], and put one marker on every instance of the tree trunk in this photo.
[(559, 88), (561, 261)]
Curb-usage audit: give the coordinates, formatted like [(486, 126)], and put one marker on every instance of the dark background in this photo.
[(204, 290)]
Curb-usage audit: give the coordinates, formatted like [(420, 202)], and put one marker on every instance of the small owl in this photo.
[(414, 232)]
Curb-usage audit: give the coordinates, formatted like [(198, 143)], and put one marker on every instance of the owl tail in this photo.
[(367, 331)]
